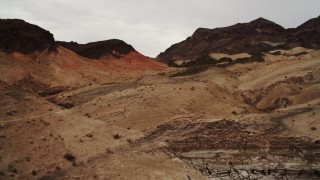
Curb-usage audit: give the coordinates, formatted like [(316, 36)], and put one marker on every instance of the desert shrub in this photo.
[(69, 157), (116, 136), (313, 128)]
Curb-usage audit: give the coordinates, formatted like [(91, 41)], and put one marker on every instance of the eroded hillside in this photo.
[(259, 119)]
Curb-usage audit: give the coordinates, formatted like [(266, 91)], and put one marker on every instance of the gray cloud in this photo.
[(150, 26)]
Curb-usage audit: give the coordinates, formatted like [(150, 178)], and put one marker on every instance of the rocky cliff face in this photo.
[(257, 36), (96, 50), (19, 36)]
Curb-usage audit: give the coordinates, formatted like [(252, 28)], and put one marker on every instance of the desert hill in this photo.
[(33, 56), (104, 111)]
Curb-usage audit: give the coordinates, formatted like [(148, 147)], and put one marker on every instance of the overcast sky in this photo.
[(150, 26)]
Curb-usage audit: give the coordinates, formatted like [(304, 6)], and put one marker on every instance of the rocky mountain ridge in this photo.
[(255, 37)]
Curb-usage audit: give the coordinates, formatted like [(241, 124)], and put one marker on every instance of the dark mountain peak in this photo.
[(261, 20), (117, 45), (11, 21), (16, 35), (310, 24), (96, 50), (260, 25), (201, 30), (266, 24)]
